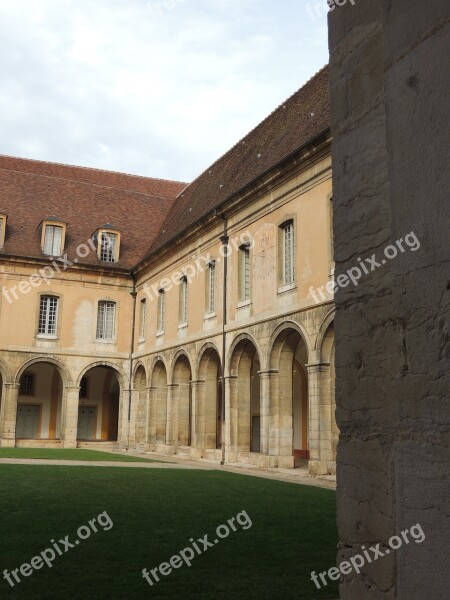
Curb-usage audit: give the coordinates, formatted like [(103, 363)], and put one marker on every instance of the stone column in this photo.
[(172, 416), (152, 418), (265, 396), (8, 431), (319, 419), (198, 415), (69, 417), (231, 418), (148, 408)]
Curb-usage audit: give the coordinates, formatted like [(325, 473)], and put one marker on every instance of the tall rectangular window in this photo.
[(106, 317), (211, 288), (48, 315), (142, 319), (27, 384), (84, 387), (108, 247), (161, 310), (244, 273), (288, 254), (183, 300), (2, 230), (53, 240)]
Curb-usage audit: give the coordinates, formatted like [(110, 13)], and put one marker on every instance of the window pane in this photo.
[(143, 318), (288, 254), (27, 384), (183, 300), (161, 308), (108, 247), (212, 288), (245, 274), (48, 315), (52, 240), (105, 320)]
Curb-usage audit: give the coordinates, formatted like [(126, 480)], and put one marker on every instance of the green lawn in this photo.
[(56, 454), (155, 512)]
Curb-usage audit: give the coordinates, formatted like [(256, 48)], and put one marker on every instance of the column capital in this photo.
[(317, 367), (268, 373)]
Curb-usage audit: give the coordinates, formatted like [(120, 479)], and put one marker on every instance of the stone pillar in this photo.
[(319, 430), (69, 417), (389, 91), (231, 418), (198, 416), (265, 395), (152, 418), (148, 409), (172, 416), (10, 401)]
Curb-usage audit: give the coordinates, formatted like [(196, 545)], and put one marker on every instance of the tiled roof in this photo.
[(302, 117), (161, 188), (85, 199)]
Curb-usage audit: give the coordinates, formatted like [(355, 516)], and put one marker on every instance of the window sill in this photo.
[(160, 334), (107, 342), (210, 316), (182, 326), (45, 336), (141, 340), (244, 304), (287, 288)]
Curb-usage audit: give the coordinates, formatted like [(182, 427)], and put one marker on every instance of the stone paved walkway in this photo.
[(299, 476)]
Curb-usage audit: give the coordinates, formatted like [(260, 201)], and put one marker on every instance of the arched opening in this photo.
[(182, 399), (159, 413), (98, 410), (246, 398), (209, 402), (140, 385), (328, 385), (289, 358), (39, 406)]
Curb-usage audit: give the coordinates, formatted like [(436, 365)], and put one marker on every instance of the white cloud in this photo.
[(115, 85)]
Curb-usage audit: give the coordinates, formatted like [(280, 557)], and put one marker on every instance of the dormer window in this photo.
[(108, 244), (53, 237), (3, 219)]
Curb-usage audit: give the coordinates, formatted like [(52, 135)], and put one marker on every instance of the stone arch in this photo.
[(140, 389), (182, 398), (289, 355), (100, 402), (287, 326), (42, 383), (245, 395), (236, 342), (121, 376), (63, 369), (324, 326), (158, 406), (204, 349), (5, 372), (209, 408), (179, 354)]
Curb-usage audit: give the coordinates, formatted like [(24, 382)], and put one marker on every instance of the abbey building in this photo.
[(176, 318)]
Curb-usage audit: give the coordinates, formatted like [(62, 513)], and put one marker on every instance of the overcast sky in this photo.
[(153, 87)]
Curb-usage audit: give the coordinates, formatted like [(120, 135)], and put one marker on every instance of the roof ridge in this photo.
[(260, 124), (82, 168)]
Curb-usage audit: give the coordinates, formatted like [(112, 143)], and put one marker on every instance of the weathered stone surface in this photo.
[(390, 90)]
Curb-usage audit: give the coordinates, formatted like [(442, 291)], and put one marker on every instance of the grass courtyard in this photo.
[(65, 454), (155, 513)]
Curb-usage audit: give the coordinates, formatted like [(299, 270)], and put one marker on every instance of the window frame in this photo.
[(32, 374), (161, 312), (112, 339), (46, 334), (3, 224), (142, 319), (45, 225), (245, 274), (283, 282), (183, 302), (211, 288), (99, 234)]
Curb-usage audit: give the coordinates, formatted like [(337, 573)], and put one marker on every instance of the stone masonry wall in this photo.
[(390, 99)]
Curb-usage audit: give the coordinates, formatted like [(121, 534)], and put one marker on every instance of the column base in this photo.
[(320, 467), (4, 443), (70, 444)]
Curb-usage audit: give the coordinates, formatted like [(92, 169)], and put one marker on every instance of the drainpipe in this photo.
[(133, 294), (224, 239)]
